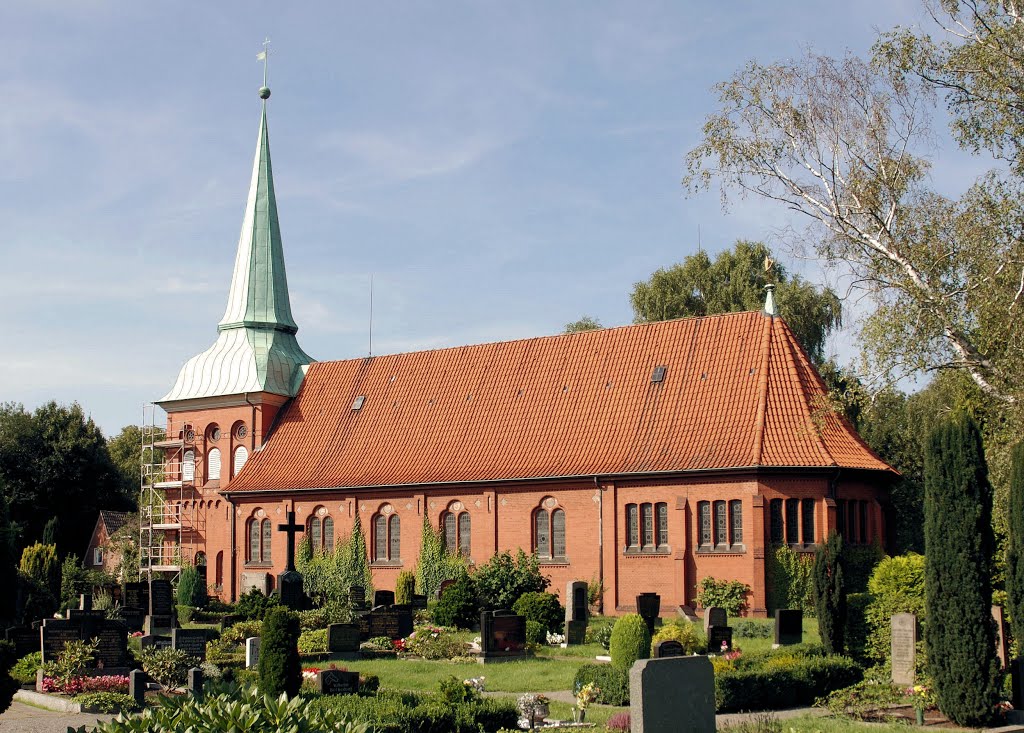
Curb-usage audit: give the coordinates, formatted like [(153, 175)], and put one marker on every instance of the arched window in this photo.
[(320, 530), (549, 533), (704, 515), (661, 516), (542, 533), (328, 534), (721, 525), (450, 532), (315, 534), (736, 515), (260, 533), (213, 465), (464, 534), (387, 538), (219, 574), (241, 456), (632, 526), (188, 467), (558, 534)]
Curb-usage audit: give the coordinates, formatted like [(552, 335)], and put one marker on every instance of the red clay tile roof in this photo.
[(738, 392)]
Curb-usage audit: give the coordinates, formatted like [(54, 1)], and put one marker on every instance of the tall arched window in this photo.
[(328, 534), (188, 467), (455, 526), (549, 533), (775, 523), (647, 525), (704, 515), (721, 525), (661, 516), (260, 533), (320, 530), (632, 526), (464, 534), (387, 538), (558, 534), (450, 532), (241, 456), (736, 515), (542, 533), (213, 465)]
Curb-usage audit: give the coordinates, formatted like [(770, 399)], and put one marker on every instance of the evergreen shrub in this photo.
[(896, 586), (612, 682), (313, 642), (24, 670), (504, 578), (630, 641), (405, 587), (753, 629), (683, 631), (191, 589), (393, 711), (185, 614), (167, 666), (728, 594), (782, 683), (1015, 546), (543, 608), (830, 594), (106, 702), (859, 562), (535, 633), (254, 605), (435, 563), (458, 606), (280, 671), (857, 629)]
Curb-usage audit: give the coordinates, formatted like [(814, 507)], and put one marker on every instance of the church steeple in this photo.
[(256, 349)]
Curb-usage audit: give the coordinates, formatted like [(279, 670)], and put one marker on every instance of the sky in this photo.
[(498, 169)]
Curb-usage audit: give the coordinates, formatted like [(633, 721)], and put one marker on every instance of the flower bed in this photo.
[(78, 685)]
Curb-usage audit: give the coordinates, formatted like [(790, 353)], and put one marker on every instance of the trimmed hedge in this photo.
[(611, 681), (631, 640), (394, 711), (543, 608), (803, 680)]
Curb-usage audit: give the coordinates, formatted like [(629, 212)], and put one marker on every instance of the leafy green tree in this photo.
[(504, 578), (125, 450), (458, 606), (735, 281), (1015, 549), (585, 323), (352, 564), (960, 635), (280, 670), (54, 463), (435, 563), (830, 594)]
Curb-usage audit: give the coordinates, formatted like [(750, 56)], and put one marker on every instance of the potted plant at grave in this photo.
[(921, 698), (584, 696), (533, 708)]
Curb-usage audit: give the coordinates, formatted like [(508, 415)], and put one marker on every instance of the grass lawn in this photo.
[(531, 675), (812, 724)]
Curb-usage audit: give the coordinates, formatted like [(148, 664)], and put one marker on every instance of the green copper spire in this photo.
[(256, 350)]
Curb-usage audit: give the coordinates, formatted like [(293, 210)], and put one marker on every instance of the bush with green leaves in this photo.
[(167, 666), (279, 667), (72, 661), (896, 586), (862, 700), (543, 608), (504, 578), (753, 629), (405, 587), (755, 682), (254, 605), (393, 711), (227, 708), (612, 682), (313, 642), (191, 588), (458, 606), (1015, 546), (535, 633), (728, 594), (857, 628), (431, 642), (238, 633), (830, 594), (40, 562), (106, 702), (790, 582), (454, 691), (185, 614), (599, 634), (436, 564), (631, 640), (683, 631), (24, 670), (8, 686), (334, 611)]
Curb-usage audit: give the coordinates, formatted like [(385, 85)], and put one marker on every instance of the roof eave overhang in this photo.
[(825, 471), (227, 400)]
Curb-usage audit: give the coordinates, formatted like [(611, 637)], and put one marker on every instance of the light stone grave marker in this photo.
[(252, 652), (904, 648)]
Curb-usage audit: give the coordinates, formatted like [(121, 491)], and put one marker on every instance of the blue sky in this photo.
[(499, 168)]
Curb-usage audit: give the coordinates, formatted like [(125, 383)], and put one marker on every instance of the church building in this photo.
[(643, 458)]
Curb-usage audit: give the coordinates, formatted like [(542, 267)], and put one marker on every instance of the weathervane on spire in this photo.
[(264, 56)]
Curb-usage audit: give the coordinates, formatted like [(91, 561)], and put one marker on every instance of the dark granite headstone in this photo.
[(648, 605), (161, 597), (384, 598), (229, 620), (577, 607), (719, 636), (157, 642), (112, 649), (394, 622), (87, 616), (133, 618), (54, 634), (789, 626), (502, 635), (190, 641), (419, 602), (343, 638), (137, 686), (195, 682), (25, 640), (1017, 683), (136, 595), (289, 588), (715, 616), (575, 632), (673, 694), (337, 682), (668, 648), (357, 596), (85, 602)]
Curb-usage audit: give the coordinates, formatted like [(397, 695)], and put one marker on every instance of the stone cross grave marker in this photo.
[(190, 641), (337, 682), (1002, 646), (789, 626), (715, 616), (664, 692), (648, 605), (904, 648), (344, 639), (668, 648), (252, 652), (576, 612), (289, 583), (384, 598), (85, 602)]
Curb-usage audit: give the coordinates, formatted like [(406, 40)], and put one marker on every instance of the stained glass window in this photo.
[(380, 538), (721, 524), (328, 534), (792, 521), (661, 510), (395, 535), (808, 521), (266, 540), (647, 520), (449, 531), (736, 510), (704, 511), (464, 534), (775, 521), (632, 526), (558, 533), (541, 533), (315, 534), (254, 540)]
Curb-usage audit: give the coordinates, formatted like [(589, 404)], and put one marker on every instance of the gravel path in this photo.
[(22, 718)]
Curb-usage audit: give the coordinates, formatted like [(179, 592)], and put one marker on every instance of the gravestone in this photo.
[(384, 598), (337, 682), (648, 605), (394, 622), (418, 601), (289, 583), (1002, 646), (502, 636), (445, 585), (344, 639), (665, 692), (85, 602), (668, 648), (252, 652), (156, 642), (195, 682), (133, 618), (161, 606), (86, 617), (789, 626), (54, 634), (717, 635), (357, 596), (904, 648), (255, 580), (112, 646), (137, 686), (25, 640), (1017, 683), (576, 612), (229, 620), (715, 616), (190, 641), (136, 596)]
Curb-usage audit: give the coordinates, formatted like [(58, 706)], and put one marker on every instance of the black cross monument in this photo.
[(289, 583)]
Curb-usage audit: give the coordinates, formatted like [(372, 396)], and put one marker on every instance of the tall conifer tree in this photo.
[(960, 636), (830, 594), (1015, 550)]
